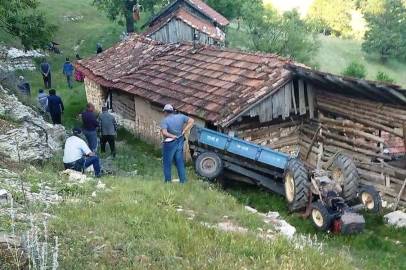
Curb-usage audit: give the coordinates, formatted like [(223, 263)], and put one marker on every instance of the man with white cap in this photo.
[(173, 129)]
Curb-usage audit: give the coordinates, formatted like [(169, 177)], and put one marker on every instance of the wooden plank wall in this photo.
[(123, 105)]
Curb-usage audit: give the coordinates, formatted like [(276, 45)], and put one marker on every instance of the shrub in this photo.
[(356, 70), (384, 77)]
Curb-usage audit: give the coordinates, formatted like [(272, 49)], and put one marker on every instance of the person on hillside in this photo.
[(77, 155), (173, 129), (45, 70), (108, 130), (90, 125), (55, 107), (24, 86), (99, 48), (68, 71), (42, 99), (79, 76)]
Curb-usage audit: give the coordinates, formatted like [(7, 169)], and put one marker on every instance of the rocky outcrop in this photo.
[(12, 253), (397, 218), (27, 137)]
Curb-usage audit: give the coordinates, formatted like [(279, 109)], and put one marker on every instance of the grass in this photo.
[(140, 217)]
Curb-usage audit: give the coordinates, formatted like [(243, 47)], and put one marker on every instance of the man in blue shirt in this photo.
[(90, 125), (42, 99), (55, 107), (45, 70), (173, 129), (67, 71)]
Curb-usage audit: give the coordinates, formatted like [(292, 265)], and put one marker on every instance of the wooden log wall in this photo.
[(123, 105)]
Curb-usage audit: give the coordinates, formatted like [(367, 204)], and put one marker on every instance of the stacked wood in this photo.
[(124, 105)]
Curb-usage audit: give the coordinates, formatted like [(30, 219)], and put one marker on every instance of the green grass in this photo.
[(336, 53)]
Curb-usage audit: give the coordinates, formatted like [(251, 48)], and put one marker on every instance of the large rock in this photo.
[(397, 218), (30, 138)]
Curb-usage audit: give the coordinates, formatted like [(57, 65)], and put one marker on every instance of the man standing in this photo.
[(108, 130), (45, 69), (173, 129), (90, 125), (75, 152), (55, 107), (67, 71), (42, 99)]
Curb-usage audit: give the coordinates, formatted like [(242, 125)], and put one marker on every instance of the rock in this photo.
[(13, 253), (101, 185), (230, 227), (94, 194), (33, 139), (76, 176), (397, 218), (251, 210)]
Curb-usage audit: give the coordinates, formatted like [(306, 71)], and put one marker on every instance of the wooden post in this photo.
[(312, 142), (404, 135), (399, 195)]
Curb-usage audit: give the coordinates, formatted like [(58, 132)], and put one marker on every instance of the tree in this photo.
[(116, 9), (356, 70), (22, 20), (228, 8), (384, 77), (151, 4), (387, 31), (286, 34), (332, 16)]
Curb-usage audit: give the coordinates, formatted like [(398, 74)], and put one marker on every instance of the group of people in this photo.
[(77, 154)]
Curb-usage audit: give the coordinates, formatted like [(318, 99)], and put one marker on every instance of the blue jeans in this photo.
[(91, 137), (81, 164), (69, 79), (173, 151)]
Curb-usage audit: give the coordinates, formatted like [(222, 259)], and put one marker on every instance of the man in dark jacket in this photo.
[(108, 131), (55, 107), (45, 70), (67, 71), (90, 125), (24, 87)]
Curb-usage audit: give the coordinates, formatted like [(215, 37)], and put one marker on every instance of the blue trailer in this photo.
[(324, 195)]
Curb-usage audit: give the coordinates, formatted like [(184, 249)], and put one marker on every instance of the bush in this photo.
[(384, 77), (356, 70)]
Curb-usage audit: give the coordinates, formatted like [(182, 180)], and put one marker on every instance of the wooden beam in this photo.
[(302, 98), (310, 97), (312, 142), (399, 195)]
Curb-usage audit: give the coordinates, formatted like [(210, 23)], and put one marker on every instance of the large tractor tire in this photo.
[(345, 172), (208, 165), (297, 185), (320, 216)]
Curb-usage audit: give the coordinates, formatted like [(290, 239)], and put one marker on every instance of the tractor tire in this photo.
[(345, 172), (320, 216), (297, 185), (371, 199), (208, 165)]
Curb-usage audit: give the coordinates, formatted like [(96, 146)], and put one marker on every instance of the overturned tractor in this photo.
[(331, 198)]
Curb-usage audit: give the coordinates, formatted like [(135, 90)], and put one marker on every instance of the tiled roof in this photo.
[(210, 12), (189, 19), (208, 82)]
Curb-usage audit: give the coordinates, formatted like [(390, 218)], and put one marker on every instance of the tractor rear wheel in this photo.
[(371, 199), (345, 172), (208, 165), (320, 216), (297, 185)]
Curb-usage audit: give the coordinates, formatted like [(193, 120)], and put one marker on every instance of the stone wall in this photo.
[(95, 93)]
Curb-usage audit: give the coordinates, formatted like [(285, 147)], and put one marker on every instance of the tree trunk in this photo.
[(151, 9), (129, 15)]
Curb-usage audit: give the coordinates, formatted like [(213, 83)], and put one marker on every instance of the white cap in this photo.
[(168, 107)]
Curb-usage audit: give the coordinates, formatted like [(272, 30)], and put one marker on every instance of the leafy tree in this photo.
[(116, 9), (228, 8), (151, 4), (387, 31), (286, 34), (371, 6), (384, 77), (22, 20), (356, 70), (332, 16)]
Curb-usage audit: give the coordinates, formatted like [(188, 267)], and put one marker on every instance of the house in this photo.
[(187, 20), (263, 98)]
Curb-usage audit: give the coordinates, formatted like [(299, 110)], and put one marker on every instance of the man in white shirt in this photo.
[(75, 152)]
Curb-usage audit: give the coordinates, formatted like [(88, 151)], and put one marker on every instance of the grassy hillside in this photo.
[(137, 225)]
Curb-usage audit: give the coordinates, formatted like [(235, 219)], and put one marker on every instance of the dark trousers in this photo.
[(47, 81), (81, 164), (56, 119), (108, 139)]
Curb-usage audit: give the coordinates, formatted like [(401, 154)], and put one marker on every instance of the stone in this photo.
[(101, 185), (76, 176), (251, 210), (13, 253), (33, 139), (5, 197), (230, 227), (397, 218)]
